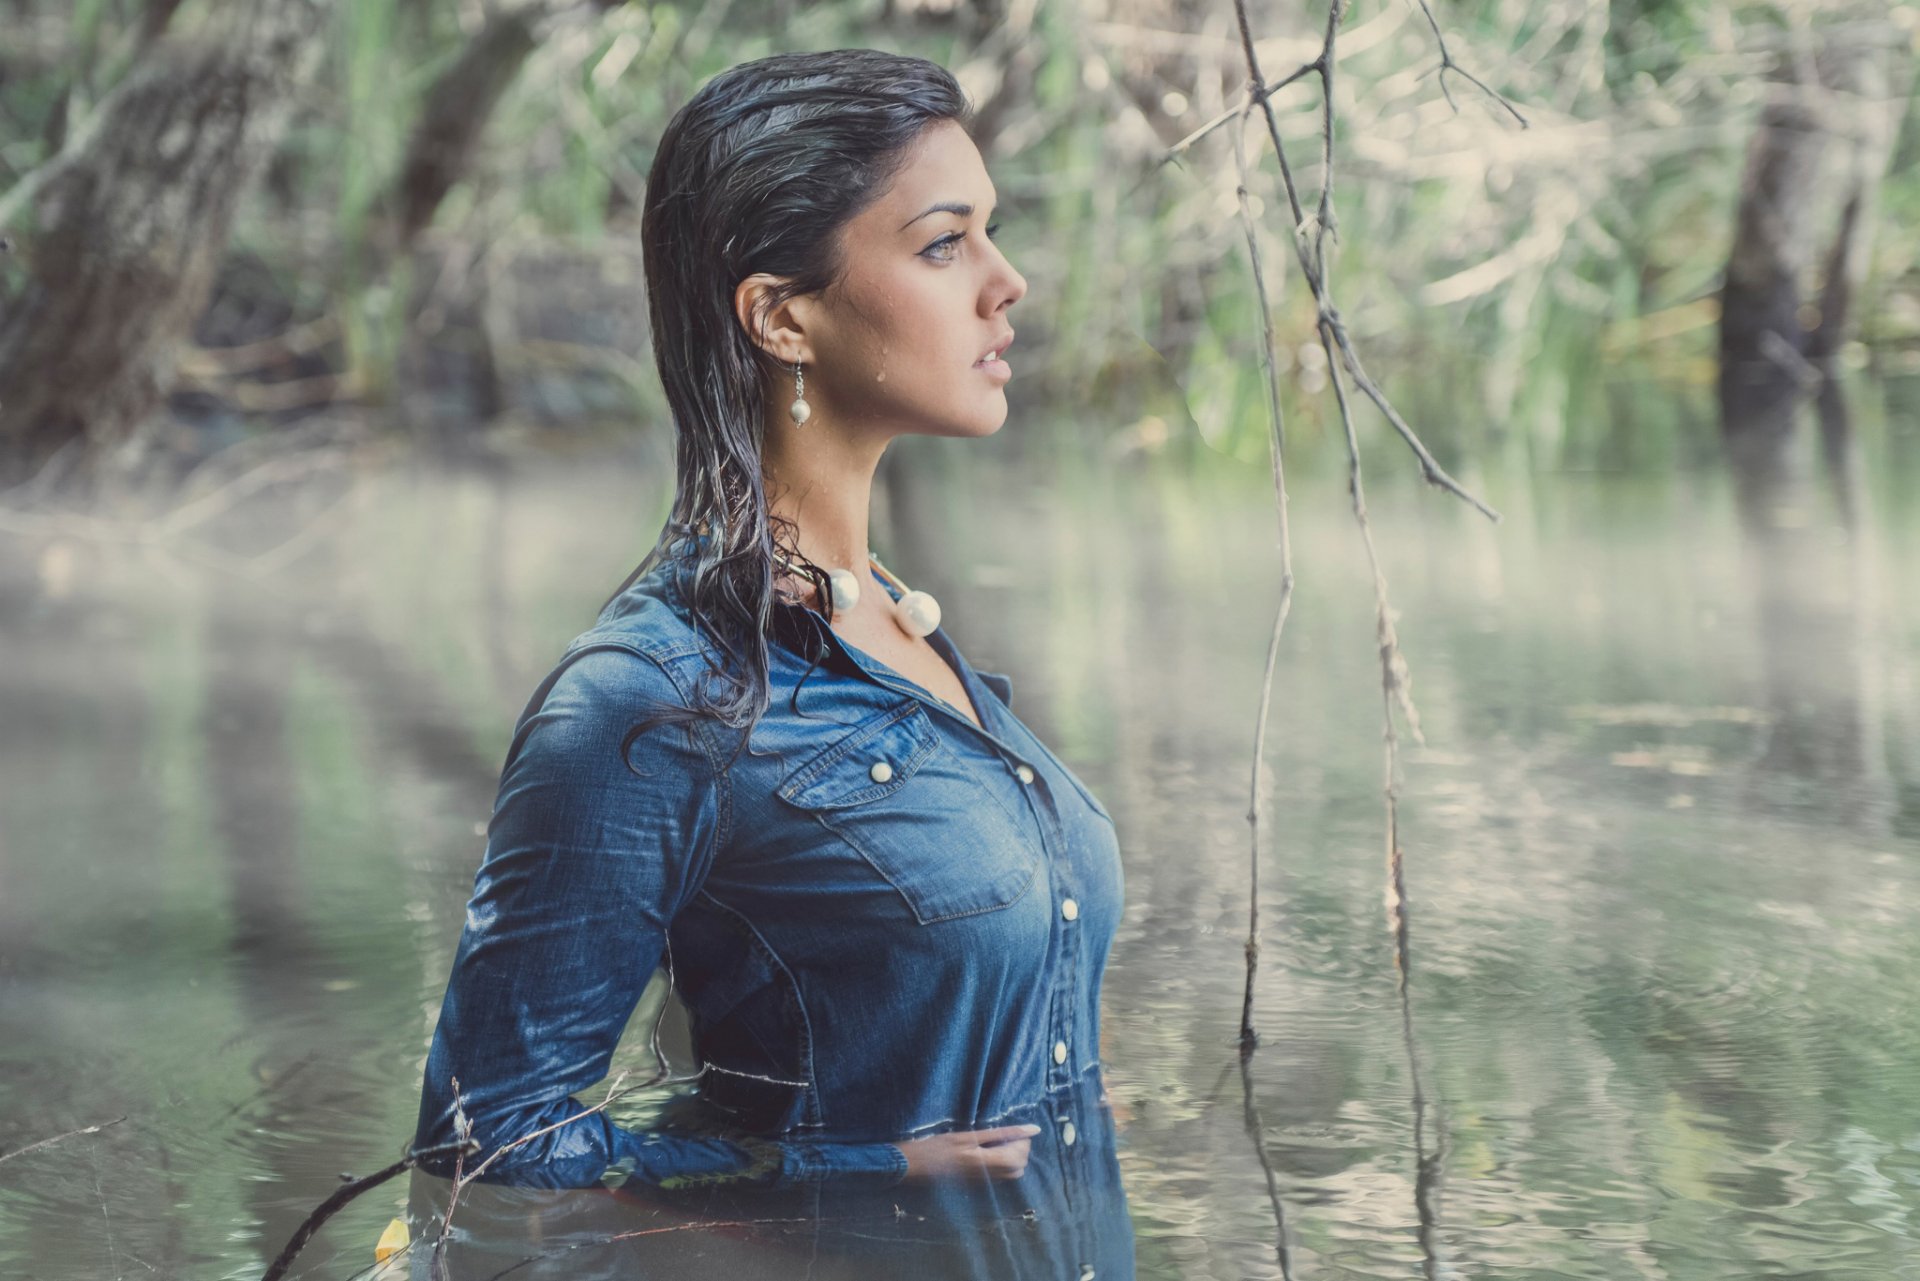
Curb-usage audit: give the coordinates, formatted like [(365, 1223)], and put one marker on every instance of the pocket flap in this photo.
[(843, 774)]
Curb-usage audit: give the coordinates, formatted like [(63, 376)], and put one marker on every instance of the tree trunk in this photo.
[(1824, 138), (456, 112), (129, 225)]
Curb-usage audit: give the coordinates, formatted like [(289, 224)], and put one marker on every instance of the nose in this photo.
[(1008, 287)]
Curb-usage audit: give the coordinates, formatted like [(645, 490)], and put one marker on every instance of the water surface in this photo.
[(1661, 847)]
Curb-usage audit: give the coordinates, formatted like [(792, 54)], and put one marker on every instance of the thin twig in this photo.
[(1448, 64), (614, 1093), (338, 1201), (1310, 248), (1429, 1167), (1394, 679), (35, 1147), (662, 1076), (1430, 469), (461, 1180), (1257, 1131), (1276, 435), (1260, 94)]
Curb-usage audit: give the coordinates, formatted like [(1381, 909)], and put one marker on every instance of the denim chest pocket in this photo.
[(944, 830)]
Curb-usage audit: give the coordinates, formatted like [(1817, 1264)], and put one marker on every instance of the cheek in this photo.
[(903, 340)]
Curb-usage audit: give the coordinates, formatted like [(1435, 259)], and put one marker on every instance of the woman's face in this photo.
[(895, 346)]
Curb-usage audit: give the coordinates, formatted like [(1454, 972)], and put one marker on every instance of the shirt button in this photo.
[(1067, 1134), (1025, 772), (1059, 1051), (1069, 909), (880, 772)]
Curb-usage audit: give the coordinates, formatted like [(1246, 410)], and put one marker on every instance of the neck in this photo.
[(823, 484)]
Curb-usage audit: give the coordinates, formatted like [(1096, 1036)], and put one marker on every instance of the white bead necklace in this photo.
[(917, 613)]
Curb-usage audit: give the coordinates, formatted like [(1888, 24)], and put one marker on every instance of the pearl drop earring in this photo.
[(799, 410)]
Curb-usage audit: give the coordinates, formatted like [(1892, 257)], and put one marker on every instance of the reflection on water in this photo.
[(1811, 549), (1066, 1216), (1662, 860)]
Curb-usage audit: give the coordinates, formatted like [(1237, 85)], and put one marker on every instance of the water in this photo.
[(1661, 847)]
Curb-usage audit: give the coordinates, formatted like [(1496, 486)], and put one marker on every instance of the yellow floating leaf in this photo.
[(391, 1242)]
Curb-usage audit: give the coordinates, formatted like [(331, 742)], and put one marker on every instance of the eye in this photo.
[(946, 242)]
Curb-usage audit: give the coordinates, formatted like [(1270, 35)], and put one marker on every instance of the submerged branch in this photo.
[(338, 1201), (1257, 1131), (461, 1178), (70, 1134)]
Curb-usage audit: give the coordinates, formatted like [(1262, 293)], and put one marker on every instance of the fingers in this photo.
[(1004, 1134), (1002, 1153), (1003, 1160), (999, 1153)]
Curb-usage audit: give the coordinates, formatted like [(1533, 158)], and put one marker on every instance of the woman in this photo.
[(884, 902)]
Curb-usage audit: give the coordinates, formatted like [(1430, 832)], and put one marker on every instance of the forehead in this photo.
[(942, 164)]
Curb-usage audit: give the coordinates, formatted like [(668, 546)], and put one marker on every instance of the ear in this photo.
[(780, 330)]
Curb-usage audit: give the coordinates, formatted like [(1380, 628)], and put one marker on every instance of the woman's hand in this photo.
[(983, 1154)]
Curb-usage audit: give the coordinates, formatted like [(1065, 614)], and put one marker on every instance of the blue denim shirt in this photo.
[(885, 922), (1064, 1219)]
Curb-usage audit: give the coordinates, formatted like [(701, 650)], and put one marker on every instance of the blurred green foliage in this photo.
[(1497, 280)]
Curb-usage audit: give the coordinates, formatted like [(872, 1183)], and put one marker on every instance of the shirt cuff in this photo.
[(875, 1165)]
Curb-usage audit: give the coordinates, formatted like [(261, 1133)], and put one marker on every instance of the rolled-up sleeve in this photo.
[(591, 852)]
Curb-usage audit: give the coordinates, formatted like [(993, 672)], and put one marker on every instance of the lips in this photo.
[(994, 351)]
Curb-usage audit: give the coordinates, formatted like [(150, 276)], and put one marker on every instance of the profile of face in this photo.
[(895, 346)]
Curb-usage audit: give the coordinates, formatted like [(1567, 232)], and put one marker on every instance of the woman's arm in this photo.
[(587, 863)]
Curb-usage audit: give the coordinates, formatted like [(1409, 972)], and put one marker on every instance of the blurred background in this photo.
[(328, 416)]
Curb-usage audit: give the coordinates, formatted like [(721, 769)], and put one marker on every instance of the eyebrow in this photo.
[(945, 206)]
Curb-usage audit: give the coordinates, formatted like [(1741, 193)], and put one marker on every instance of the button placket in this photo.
[(1066, 978)]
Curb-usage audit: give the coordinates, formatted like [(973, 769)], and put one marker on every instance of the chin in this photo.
[(965, 430), (990, 418), (994, 420)]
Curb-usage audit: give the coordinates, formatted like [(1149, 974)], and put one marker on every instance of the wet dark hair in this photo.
[(758, 172)]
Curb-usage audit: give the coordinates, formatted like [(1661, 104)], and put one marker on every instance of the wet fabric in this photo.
[(1064, 1219), (884, 921)]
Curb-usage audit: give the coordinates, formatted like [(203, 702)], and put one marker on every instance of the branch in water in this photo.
[(35, 1147), (339, 1200)]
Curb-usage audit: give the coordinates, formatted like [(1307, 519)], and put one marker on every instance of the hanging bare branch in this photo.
[(1448, 64), (1310, 233), (1276, 436)]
